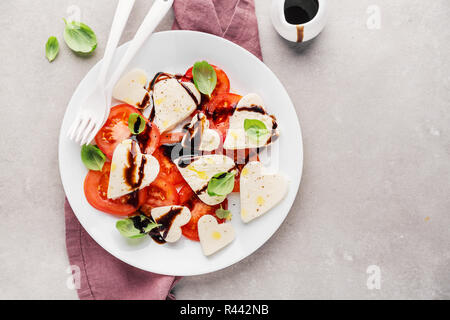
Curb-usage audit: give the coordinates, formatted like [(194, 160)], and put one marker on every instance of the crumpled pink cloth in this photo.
[(101, 275), (234, 20)]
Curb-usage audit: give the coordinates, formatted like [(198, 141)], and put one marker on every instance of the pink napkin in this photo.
[(234, 20), (101, 275)]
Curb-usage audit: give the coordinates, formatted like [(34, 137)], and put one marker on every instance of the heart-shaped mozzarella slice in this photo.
[(249, 107), (130, 169), (214, 236), (260, 191), (131, 89), (171, 219), (173, 103), (198, 171), (199, 136)]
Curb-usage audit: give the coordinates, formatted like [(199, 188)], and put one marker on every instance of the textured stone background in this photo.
[(374, 108)]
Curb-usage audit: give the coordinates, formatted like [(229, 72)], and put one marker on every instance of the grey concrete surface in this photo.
[(374, 108)]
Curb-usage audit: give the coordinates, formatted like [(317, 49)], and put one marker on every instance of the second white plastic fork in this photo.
[(92, 111)]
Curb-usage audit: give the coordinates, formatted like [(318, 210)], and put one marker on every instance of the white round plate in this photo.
[(175, 52)]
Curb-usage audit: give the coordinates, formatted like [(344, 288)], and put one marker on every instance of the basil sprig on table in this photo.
[(79, 37), (92, 157), (205, 78), (135, 227), (51, 48), (221, 184), (222, 213), (255, 129), (136, 123)]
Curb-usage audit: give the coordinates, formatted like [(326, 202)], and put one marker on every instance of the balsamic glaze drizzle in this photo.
[(167, 220), (160, 76), (130, 170), (160, 233)]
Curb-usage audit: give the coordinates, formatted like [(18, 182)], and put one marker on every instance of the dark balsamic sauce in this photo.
[(137, 124), (167, 220), (176, 150), (194, 133), (186, 160), (130, 171), (141, 224), (152, 113), (253, 108), (300, 11), (143, 139), (220, 113), (144, 103), (156, 236), (133, 198), (202, 189), (160, 76)]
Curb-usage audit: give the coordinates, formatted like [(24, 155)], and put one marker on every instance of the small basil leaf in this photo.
[(92, 157), (79, 37), (136, 123), (221, 184), (221, 213), (51, 48), (205, 78), (127, 227), (255, 129)]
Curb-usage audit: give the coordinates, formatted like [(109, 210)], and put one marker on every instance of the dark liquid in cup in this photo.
[(300, 11)]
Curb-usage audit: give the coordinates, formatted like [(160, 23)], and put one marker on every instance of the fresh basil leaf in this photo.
[(127, 227), (92, 157), (222, 213), (221, 184), (51, 48), (205, 78), (255, 129), (136, 123), (79, 37)]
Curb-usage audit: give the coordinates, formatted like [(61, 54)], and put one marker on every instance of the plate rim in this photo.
[(238, 258)]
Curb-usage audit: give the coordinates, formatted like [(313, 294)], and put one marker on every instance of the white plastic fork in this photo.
[(92, 111), (154, 16)]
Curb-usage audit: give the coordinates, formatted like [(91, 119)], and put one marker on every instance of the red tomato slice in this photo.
[(152, 138), (223, 83), (167, 169), (171, 137), (115, 129), (186, 193), (96, 188), (198, 209), (158, 194), (219, 109)]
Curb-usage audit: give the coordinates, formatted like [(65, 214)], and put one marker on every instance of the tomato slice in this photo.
[(167, 169), (96, 188), (158, 194), (115, 130), (171, 137), (186, 193), (219, 109), (222, 85), (151, 139), (199, 209)]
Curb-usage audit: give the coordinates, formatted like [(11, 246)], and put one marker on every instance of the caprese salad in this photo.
[(166, 160)]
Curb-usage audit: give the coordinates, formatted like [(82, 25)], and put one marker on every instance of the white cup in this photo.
[(298, 32)]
